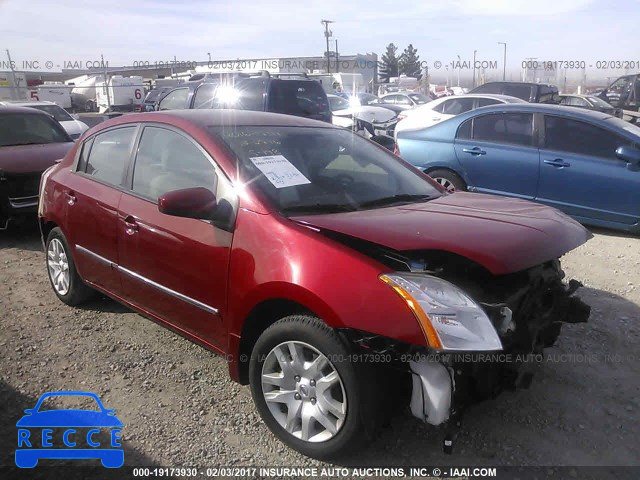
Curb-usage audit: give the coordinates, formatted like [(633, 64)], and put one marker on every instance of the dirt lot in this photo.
[(179, 407)]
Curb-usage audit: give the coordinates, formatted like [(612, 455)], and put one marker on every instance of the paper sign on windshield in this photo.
[(280, 171)]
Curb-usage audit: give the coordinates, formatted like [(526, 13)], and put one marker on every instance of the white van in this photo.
[(120, 94)]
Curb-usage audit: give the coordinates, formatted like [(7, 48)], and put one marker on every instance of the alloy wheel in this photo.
[(449, 187), (58, 265), (304, 391)]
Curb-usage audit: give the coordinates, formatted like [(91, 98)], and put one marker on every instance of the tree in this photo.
[(409, 62), (390, 64)]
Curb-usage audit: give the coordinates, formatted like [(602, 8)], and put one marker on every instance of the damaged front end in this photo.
[(485, 336)]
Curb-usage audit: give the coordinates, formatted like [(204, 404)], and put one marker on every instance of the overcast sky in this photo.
[(157, 30)]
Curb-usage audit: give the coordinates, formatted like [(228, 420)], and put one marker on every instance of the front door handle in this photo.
[(131, 225), (71, 197), (474, 151), (557, 162)]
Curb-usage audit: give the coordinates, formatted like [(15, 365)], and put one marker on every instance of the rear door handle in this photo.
[(131, 225), (474, 151), (557, 162), (71, 197)]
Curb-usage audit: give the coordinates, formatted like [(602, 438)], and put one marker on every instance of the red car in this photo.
[(327, 270), (30, 142)]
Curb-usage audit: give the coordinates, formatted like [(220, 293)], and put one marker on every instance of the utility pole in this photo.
[(458, 69), (474, 68), (15, 92), (337, 58), (106, 82), (327, 33), (504, 63)]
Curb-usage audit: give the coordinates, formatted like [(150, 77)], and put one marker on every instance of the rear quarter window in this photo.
[(110, 154), (300, 98)]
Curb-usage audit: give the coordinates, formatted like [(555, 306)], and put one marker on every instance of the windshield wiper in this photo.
[(319, 208), (395, 199)]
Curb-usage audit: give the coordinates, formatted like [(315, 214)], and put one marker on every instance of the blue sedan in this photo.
[(585, 163)]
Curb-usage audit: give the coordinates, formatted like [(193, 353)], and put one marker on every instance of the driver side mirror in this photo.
[(196, 202), (75, 116), (631, 156)]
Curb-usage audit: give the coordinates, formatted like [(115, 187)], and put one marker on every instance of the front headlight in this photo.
[(449, 318)]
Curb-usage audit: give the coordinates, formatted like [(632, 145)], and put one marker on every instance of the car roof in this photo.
[(494, 96), (538, 108), (579, 95), (518, 83), (212, 117), (6, 108)]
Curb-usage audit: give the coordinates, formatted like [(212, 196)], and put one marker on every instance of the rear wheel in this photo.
[(451, 181), (307, 391), (63, 276)]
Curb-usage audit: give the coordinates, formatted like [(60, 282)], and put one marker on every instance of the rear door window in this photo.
[(510, 128), (110, 154), (204, 96), (457, 106), (300, 98), (251, 92), (485, 102), (519, 91)]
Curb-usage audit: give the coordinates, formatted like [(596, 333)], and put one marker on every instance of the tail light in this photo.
[(401, 116), (396, 149)]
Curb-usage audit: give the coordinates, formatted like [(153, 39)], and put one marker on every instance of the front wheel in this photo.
[(307, 391), (451, 181)]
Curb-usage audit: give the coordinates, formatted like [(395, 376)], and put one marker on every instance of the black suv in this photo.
[(530, 92), (624, 93), (263, 92)]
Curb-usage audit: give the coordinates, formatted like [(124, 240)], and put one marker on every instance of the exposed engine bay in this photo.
[(527, 310)]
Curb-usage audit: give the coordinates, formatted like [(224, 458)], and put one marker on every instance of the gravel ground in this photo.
[(179, 407)]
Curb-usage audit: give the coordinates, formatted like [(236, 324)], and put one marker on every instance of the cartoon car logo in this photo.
[(34, 444)]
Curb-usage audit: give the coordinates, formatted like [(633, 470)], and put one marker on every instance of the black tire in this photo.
[(448, 179), (362, 405), (77, 292)]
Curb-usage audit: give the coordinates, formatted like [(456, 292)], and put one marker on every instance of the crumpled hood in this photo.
[(32, 158), (504, 235)]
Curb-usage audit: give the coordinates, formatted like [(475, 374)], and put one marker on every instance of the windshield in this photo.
[(55, 111), (598, 102), (322, 170), (366, 98), (419, 98), (154, 94), (338, 103), (629, 127), (28, 129)]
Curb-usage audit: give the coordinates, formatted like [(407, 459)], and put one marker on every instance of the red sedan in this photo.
[(325, 268)]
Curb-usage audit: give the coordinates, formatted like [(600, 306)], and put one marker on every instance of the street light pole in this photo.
[(459, 62), (327, 34), (504, 63)]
